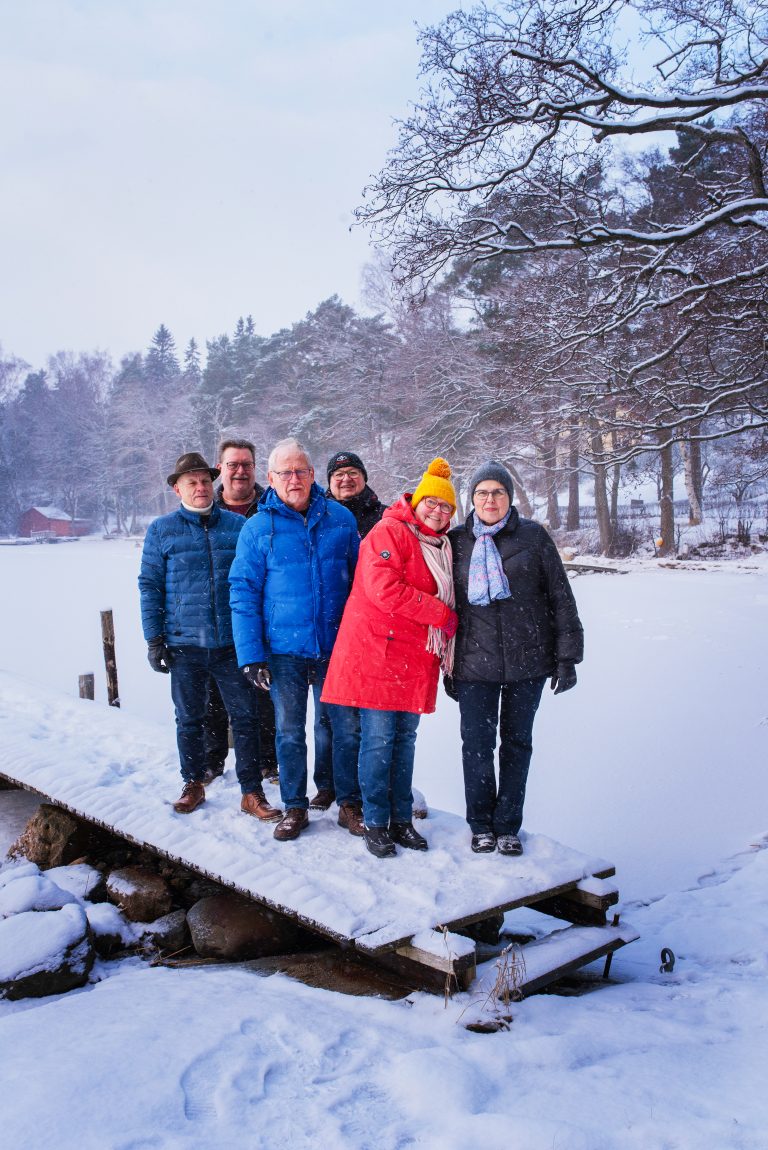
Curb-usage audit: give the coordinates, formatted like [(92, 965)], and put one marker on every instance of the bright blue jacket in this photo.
[(183, 578), (291, 577)]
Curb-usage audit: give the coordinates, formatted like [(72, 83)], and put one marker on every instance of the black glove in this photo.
[(158, 656), (258, 675), (450, 688), (564, 678)]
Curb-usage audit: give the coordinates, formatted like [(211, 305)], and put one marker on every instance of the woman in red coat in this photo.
[(396, 633)]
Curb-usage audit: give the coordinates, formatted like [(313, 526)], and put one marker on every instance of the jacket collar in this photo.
[(271, 501), (194, 516)]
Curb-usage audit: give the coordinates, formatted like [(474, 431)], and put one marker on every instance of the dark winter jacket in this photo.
[(528, 634), (183, 578), (291, 578), (366, 508), (381, 659), (253, 507)]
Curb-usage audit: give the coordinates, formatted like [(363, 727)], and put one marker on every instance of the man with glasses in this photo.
[(187, 623), (239, 492), (348, 483), (289, 582)]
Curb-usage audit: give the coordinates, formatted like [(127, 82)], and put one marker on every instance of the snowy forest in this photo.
[(572, 276)]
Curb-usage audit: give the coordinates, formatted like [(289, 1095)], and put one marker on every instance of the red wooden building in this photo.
[(51, 523)]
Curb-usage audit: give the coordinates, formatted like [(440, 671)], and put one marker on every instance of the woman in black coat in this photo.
[(518, 625)]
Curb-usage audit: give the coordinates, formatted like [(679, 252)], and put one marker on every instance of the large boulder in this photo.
[(225, 926), (141, 894), (52, 837), (44, 952)]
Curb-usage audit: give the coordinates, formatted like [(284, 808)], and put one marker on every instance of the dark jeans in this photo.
[(190, 670), (387, 749), (216, 729), (486, 708), (292, 677), (323, 732)]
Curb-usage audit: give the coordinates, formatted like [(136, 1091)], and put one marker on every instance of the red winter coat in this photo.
[(380, 657)]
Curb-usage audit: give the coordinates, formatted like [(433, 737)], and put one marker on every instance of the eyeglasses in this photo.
[(351, 473), (234, 466), (484, 496), (299, 472), (438, 505)]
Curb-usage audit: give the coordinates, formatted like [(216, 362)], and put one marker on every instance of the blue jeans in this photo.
[(387, 748), (190, 669), (323, 732), (488, 708), (292, 677)]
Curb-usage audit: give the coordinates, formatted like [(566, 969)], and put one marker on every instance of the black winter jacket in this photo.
[(366, 508), (528, 634)]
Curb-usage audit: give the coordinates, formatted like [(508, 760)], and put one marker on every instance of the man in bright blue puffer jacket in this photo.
[(188, 627), (289, 582)]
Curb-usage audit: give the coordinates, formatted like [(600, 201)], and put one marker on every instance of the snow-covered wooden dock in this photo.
[(121, 773)]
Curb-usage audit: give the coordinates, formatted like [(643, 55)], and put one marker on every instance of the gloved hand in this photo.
[(451, 625), (564, 678), (158, 656), (258, 675), (450, 688)]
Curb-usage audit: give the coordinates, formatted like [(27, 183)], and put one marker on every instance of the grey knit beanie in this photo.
[(495, 471)]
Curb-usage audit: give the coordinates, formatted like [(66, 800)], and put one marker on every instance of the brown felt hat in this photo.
[(192, 461)]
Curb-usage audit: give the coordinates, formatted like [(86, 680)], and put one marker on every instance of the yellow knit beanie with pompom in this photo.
[(435, 482)]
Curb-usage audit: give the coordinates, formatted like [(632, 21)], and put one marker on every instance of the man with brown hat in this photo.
[(188, 627)]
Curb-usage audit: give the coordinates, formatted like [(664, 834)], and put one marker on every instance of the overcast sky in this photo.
[(189, 161)]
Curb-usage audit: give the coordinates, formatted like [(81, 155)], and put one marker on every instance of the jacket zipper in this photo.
[(213, 589)]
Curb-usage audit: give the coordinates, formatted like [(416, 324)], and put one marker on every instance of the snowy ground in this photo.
[(656, 761)]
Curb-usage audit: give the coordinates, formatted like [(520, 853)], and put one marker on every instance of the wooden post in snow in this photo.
[(108, 642), (85, 685)]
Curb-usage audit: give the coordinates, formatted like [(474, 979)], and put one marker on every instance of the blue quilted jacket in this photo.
[(183, 578), (291, 578)]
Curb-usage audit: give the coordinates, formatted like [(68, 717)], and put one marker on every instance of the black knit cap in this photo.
[(345, 459), (495, 471)]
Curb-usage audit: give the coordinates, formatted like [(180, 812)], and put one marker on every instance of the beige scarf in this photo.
[(437, 555)]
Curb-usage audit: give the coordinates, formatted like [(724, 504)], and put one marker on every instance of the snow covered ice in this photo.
[(655, 762)]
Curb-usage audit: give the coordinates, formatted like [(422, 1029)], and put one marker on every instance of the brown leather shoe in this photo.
[(255, 803), (293, 822), (351, 818), (322, 800), (191, 798)]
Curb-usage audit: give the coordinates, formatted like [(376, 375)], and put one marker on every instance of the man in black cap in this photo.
[(188, 627), (347, 484)]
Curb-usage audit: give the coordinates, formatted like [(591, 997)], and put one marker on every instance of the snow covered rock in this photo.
[(169, 933), (109, 928), (51, 838), (82, 880), (141, 894), (44, 952), (32, 892), (224, 926)]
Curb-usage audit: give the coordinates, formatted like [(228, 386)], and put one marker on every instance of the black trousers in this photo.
[(216, 729)]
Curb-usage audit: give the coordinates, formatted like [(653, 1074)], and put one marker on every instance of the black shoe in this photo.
[(406, 835), (212, 773), (509, 845), (379, 842), (484, 843)]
